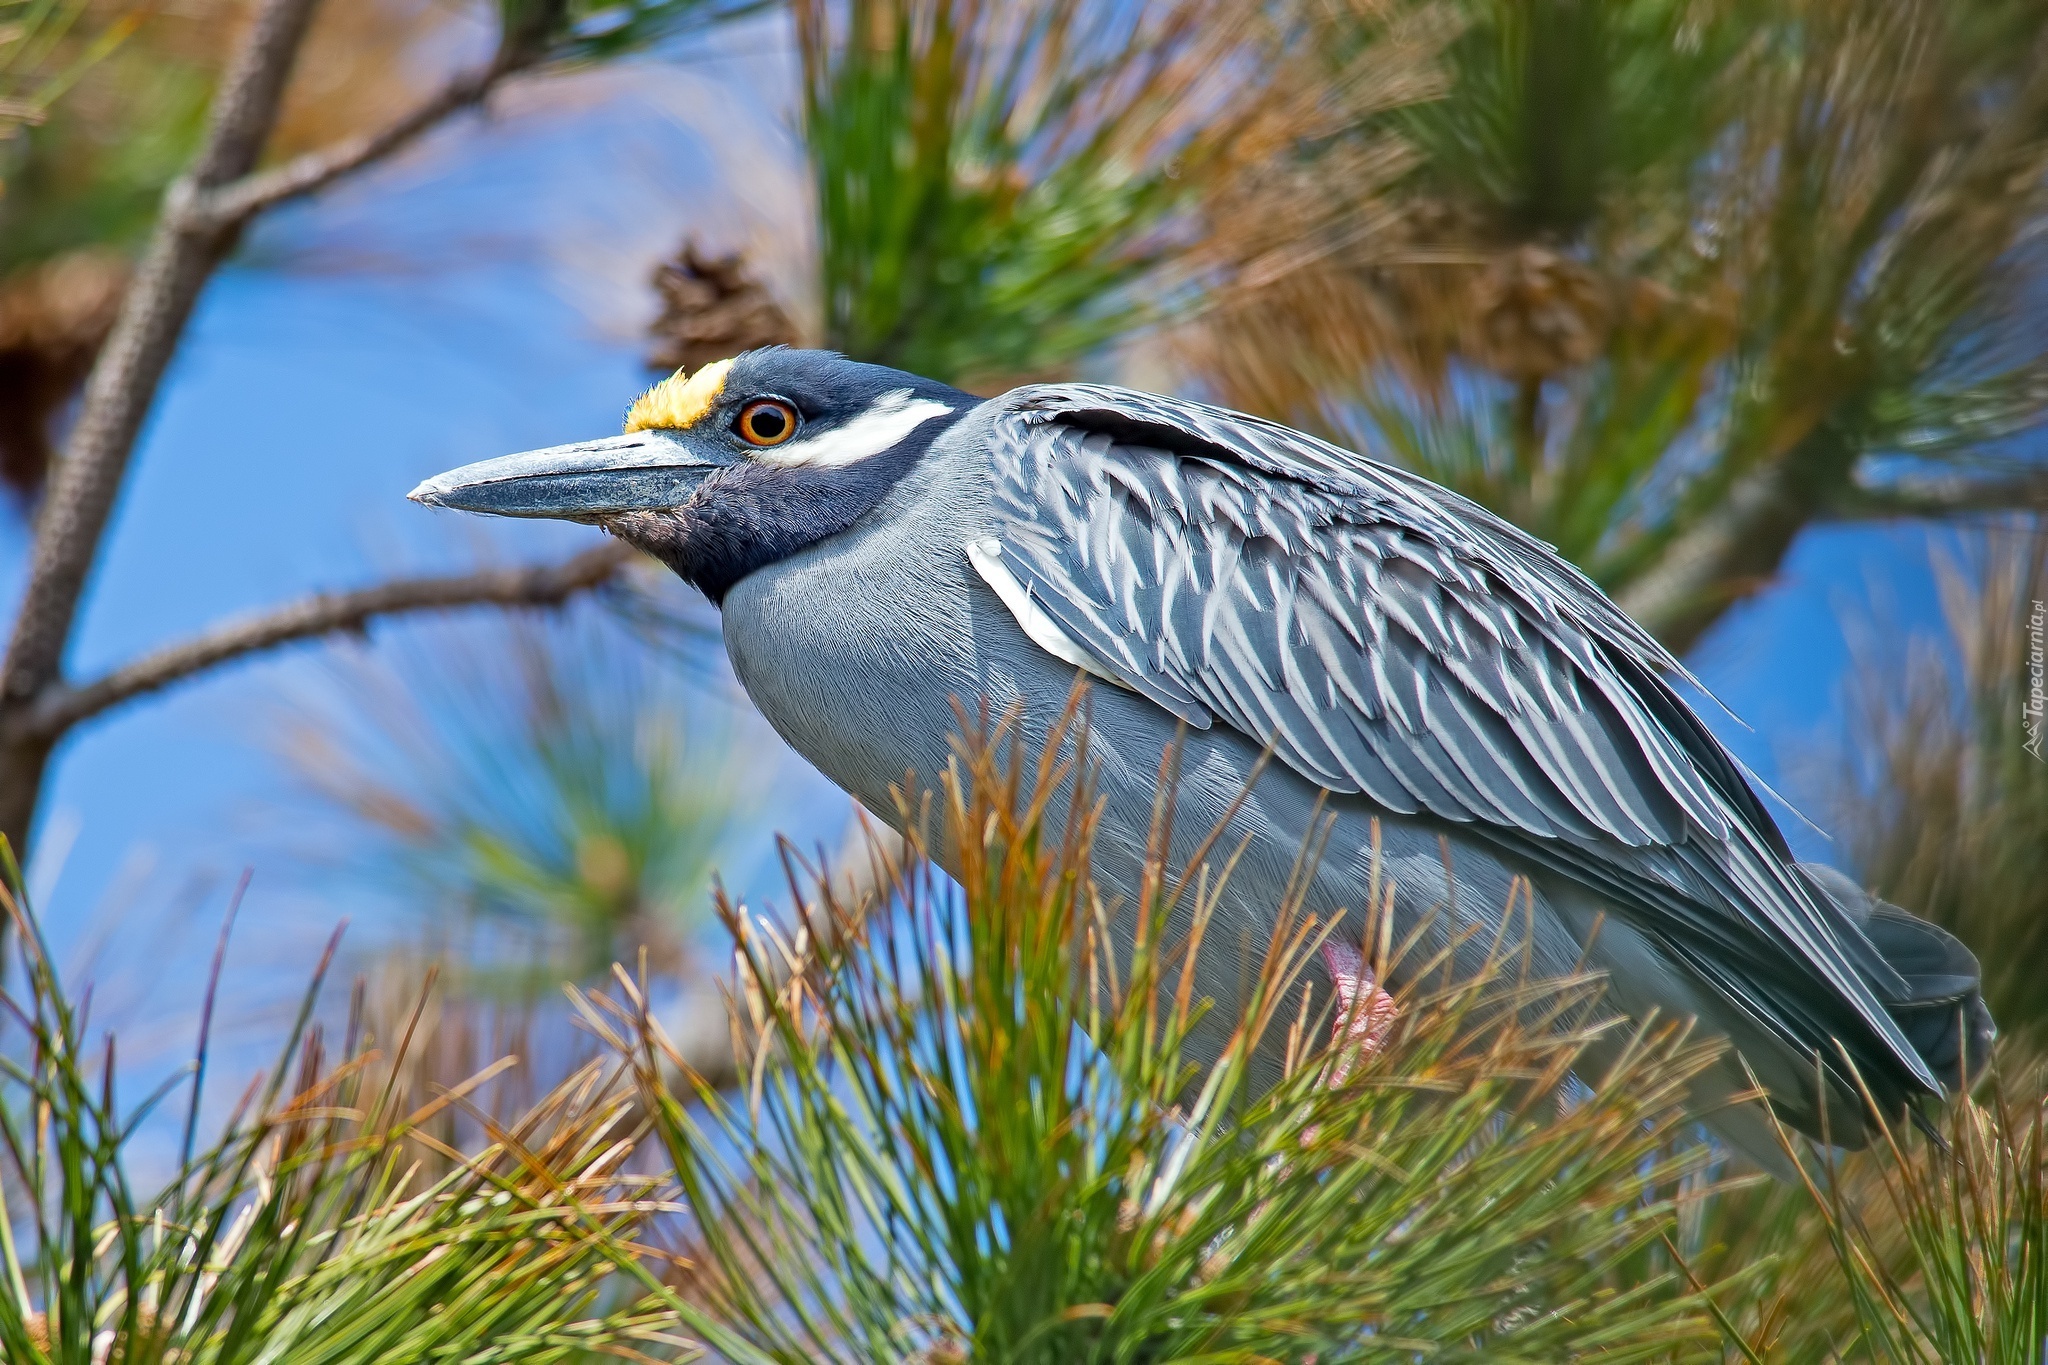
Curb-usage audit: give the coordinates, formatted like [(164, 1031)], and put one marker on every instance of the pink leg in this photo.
[(1365, 1013)]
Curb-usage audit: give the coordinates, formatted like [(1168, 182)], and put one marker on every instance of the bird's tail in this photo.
[(1942, 1012)]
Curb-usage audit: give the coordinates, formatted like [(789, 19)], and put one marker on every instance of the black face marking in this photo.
[(746, 515)]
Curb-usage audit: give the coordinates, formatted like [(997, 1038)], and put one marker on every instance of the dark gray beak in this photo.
[(581, 482)]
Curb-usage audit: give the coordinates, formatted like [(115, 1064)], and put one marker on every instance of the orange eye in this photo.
[(766, 422)]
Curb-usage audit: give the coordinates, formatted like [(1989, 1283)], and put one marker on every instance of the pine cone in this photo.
[(711, 308), (54, 317), (1534, 312)]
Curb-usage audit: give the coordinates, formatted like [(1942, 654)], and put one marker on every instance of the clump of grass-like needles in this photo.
[(1929, 1248), (931, 1160), (1671, 280), (1003, 189), (311, 1230), (551, 778)]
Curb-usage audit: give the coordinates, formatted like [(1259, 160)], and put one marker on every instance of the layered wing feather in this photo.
[(1392, 639)]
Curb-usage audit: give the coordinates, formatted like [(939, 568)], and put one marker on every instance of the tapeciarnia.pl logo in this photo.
[(2033, 713)]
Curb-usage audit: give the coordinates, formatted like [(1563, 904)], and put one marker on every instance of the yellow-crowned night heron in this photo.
[(881, 544)]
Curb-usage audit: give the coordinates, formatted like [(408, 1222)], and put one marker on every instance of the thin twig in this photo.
[(237, 202), (541, 585)]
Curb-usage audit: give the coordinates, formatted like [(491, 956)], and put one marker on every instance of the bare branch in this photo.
[(62, 706), (251, 93), (237, 202), (180, 256), (521, 47)]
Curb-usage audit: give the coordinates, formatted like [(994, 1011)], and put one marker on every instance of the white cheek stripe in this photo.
[(892, 417), (987, 558)]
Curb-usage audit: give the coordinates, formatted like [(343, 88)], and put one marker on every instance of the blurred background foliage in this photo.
[(1673, 279), (551, 777), (1003, 189), (1937, 787)]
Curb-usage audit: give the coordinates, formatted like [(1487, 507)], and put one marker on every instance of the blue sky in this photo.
[(480, 297)]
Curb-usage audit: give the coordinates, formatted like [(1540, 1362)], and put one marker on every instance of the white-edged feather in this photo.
[(987, 558)]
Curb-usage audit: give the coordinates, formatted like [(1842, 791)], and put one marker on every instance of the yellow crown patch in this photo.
[(679, 402)]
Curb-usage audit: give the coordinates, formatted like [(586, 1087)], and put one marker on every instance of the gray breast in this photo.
[(853, 648)]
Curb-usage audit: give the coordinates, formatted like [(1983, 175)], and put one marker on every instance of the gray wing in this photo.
[(1392, 639)]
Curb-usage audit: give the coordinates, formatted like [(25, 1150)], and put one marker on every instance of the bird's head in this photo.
[(727, 470)]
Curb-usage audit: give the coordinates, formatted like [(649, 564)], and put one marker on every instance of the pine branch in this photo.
[(1737, 548), (62, 706)]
